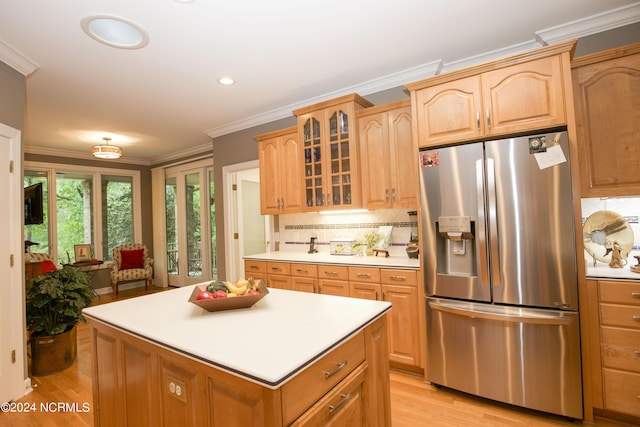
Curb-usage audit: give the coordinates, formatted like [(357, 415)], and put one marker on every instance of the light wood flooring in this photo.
[(414, 402)]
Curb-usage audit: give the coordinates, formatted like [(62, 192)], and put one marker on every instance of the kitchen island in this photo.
[(291, 359)]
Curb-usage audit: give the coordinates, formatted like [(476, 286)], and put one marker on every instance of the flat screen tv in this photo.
[(33, 209)]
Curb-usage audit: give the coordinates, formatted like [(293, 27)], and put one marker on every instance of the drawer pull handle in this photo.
[(341, 365), (253, 267), (331, 273), (635, 294), (363, 275), (636, 318), (637, 352), (300, 270), (276, 268), (345, 398), (398, 277)]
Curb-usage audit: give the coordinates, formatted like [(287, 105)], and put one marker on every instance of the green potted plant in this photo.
[(53, 308), (371, 238)]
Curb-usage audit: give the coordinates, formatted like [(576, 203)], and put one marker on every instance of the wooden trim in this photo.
[(384, 107), (276, 133), (538, 53), (354, 97), (606, 55)]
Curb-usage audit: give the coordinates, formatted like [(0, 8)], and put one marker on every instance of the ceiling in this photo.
[(163, 100)]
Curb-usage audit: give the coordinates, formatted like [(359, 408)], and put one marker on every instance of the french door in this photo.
[(190, 230)]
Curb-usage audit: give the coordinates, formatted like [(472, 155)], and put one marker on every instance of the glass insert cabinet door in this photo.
[(328, 164)]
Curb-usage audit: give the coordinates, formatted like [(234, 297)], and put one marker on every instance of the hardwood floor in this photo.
[(65, 399)]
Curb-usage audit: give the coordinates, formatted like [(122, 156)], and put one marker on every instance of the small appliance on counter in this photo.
[(342, 246), (413, 247)]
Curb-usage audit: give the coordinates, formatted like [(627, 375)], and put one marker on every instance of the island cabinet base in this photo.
[(139, 383)]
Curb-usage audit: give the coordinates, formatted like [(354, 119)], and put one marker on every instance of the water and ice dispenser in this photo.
[(456, 249)]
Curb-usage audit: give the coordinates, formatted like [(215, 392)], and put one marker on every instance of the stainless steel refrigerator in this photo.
[(500, 272)]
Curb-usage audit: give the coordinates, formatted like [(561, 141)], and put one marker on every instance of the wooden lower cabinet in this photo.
[(396, 285), (615, 346), (140, 383)]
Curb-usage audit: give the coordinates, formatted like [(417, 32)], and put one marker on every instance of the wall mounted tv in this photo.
[(33, 204)]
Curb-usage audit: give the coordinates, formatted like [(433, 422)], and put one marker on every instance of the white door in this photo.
[(12, 330)]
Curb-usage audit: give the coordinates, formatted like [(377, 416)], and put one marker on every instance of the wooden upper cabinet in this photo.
[(523, 97), (280, 172), (508, 96), (448, 112), (330, 164), (606, 88), (388, 156)]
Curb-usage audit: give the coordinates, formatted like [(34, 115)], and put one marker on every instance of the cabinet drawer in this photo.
[(622, 391), (627, 316), (333, 272), (621, 349), (392, 276), (620, 292), (251, 266), (304, 270), (364, 274), (281, 268), (344, 405), (312, 383)]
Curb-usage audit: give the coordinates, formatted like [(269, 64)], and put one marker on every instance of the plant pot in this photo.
[(52, 354)]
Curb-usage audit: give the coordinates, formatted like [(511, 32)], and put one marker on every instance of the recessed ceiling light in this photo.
[(226, 81), (114, 31)]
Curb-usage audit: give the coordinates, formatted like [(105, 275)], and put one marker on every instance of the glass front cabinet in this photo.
[(331, 167)]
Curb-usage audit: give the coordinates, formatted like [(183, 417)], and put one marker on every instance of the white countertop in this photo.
[(267, 343), (602, 270), (325, 258)]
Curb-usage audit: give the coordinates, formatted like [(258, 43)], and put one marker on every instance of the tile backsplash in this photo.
[(296, 230)]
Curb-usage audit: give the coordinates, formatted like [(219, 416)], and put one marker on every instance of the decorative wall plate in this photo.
[(601, 230)]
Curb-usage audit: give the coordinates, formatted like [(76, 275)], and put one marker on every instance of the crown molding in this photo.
[(490, 56), (372, 86), (16, 60), (55, 152), (206, 148), (608, 20)]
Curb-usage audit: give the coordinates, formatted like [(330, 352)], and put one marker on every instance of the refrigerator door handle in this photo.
[(506, 316), (480, 230), (493, 222)]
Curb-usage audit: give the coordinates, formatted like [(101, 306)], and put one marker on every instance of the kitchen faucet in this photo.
[(312, 246)]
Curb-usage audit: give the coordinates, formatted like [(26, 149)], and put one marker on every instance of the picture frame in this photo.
[(82, 252), (384, 238)]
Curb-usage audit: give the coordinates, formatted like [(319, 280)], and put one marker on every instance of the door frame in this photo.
[(17, 380), (232, 257)]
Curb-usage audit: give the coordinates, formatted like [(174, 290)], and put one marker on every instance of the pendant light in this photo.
[(107, 151)]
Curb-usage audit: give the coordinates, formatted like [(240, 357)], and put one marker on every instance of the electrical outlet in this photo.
[(176, 388)]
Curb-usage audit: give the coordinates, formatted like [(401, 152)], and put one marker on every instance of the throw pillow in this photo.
[(132, 259), (47, 266)]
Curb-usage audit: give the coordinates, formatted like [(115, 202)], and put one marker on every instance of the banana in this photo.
[(238, 290)]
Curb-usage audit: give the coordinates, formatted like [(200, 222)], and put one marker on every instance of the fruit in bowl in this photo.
[(227, 295)]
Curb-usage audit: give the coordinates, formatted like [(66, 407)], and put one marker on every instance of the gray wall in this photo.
[(12, 97)]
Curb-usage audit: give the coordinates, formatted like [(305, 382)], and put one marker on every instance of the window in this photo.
[(90, 206)]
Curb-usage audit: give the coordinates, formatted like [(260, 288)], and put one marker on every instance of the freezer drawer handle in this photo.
[(341, 365), (500, 317)]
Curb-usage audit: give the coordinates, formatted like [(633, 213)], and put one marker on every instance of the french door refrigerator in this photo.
[(500, 272)]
